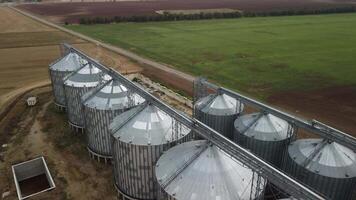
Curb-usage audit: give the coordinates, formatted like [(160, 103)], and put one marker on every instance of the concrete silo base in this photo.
[(98, 157), (121, 195), (76, 128), (60, 107)]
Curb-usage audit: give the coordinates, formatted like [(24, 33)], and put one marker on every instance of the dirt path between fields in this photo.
[(152, 68)]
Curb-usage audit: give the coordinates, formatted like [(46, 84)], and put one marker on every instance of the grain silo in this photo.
[(264, 134), (218, 111), (58, 70), (140, 136), (200, 170), (75, 86), (101, 105), (326, 166)]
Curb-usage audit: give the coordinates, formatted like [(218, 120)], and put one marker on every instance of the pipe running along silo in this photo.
[(265, 135), (140, 136), (218, 111), (328, 167), (58, 70), (200, 170), (75, 86), (101, 105)]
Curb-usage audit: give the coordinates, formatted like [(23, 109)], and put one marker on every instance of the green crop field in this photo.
[(255, 55)]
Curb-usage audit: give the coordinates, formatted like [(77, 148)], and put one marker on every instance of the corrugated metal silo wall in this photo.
[(97, 129), (271, 151), (333, 188), (57, 86), (134, 167), (74, 105), (223, 124)]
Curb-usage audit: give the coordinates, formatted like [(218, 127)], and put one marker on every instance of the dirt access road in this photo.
[(155, 70)]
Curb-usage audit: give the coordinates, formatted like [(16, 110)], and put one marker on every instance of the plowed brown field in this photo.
[(334, 106), (72, 12)]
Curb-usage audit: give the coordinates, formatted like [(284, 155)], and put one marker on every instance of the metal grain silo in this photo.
[(265, 135), (219, 112), (75, 86), (101, 105), (328, 167), (199, 170), (140, 136), (58, 70)]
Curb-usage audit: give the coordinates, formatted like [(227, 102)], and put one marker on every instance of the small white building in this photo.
[(31, 101)]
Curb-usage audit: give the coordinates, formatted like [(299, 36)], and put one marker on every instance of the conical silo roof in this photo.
[(328, 159), (113, 95), (265, 127), (208, 173), (145, 125), (87, 76), (70, 62), (219, 105)]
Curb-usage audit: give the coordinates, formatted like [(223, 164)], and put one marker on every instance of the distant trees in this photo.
[(164, 17), (218, 15), (348, 9)]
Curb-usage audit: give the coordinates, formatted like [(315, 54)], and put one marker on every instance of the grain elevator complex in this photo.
[(76, 85), (100, 106), (140, 136), (60, 69), (264, 134), (232, 148), (219, 112), (209, 173), (327, 166)]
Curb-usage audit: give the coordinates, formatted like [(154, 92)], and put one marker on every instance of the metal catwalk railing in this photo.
[(262, 168)]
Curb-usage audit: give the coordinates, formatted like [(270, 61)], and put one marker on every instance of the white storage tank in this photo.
[(199, 170), (140, 136), (101, 105), (218, 111), (265, 135), (75, 86), (58, 70), (328, 167)]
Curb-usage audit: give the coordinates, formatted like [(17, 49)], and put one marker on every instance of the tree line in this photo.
[(197, 16)]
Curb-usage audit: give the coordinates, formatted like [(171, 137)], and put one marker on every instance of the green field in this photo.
[(254, 55)]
